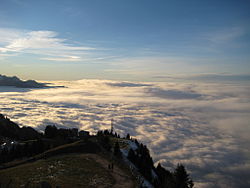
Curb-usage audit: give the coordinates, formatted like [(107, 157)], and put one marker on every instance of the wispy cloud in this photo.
[(44, 43), (65, 58), (226, 35)]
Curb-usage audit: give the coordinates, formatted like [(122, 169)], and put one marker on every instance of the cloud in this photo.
[(173, 94), (13, 89), (202, 125), (8, 35), (44, 43), (127, 84), (226, 35), (66, 58), (220, 77), (212, 77)]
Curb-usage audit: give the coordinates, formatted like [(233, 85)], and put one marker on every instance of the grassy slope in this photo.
[(71, 165), (72, 170)]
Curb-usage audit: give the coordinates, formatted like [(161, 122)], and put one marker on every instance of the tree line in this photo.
[(140, 157)]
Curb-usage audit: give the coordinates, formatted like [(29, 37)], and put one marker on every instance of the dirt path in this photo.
[(122, 180)]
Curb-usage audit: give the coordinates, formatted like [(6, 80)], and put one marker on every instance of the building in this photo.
[(83, 134)]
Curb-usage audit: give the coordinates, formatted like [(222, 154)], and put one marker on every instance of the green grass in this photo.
[(74, 170)]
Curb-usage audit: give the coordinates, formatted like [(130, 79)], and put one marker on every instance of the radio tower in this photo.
[(112, 125)]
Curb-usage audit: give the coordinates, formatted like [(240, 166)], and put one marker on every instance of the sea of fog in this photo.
[(205, 126)]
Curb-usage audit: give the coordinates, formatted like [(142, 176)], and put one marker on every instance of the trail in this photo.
[(122, 180)]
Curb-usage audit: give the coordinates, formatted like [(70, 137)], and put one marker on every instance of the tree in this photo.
[(50, 131), (182, 179), (105, 142), (117, 151), (128, 136), (131, 155), (136, 142), (165, 178)]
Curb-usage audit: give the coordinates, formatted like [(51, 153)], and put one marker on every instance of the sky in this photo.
[(124, 40)]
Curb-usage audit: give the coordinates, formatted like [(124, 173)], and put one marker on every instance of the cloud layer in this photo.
[(205, 125)]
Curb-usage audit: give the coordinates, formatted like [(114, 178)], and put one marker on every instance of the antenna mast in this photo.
[(112, 125)]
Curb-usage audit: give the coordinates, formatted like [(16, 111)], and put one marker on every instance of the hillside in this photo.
[(74, 170), (68, 158), (78, 164), (11, 130)]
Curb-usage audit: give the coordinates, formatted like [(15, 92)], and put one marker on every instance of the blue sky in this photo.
[(128, 40)]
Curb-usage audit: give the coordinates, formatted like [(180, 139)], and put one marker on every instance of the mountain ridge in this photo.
[(17, 82)]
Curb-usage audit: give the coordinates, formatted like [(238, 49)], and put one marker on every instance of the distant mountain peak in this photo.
[(16, 82)]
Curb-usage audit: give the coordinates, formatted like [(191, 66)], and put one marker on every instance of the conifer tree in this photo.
[(117, 151), (131, 155), (128, 136), (182, 179)]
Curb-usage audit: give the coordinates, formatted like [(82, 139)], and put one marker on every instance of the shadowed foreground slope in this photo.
[(67, 170)]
